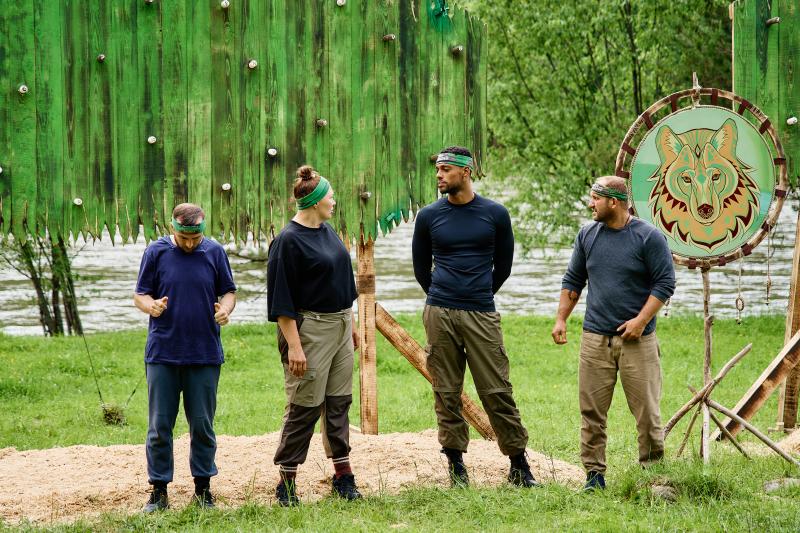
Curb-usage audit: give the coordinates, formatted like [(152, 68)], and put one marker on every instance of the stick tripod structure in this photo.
[(702, 402)]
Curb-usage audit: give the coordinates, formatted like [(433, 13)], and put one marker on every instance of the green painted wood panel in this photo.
[(100, 196), (199, 105), (788, 67), (248, 182), (22, 117), (175, 87), (765, 62), (122, 66), (340, 129), (275, 182), (149, 100), (48, 17), (178, 70)]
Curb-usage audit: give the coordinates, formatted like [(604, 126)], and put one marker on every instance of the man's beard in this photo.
[(452, 189)]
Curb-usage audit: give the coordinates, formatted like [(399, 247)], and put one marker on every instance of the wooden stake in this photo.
[(688, 431), (706, 390), (787, 403), (411, 350), (708, 321), (752, 429), (368, 371)]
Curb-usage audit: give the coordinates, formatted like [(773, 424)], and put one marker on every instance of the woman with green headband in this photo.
[(310, 294)]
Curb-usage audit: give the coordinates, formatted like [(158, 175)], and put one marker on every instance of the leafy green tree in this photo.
[(566, 80)]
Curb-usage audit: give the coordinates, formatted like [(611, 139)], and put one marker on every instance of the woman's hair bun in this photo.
[(305, 173)]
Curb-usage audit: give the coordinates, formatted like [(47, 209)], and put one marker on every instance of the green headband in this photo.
[(199, 228), (314, 196), (455, 159), (608, 192)]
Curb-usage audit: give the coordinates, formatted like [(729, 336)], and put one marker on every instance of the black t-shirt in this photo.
[(471, 248), (308, 269)]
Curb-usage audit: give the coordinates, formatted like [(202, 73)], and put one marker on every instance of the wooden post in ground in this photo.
[(708, 321), (787, 402), (411, 350), (368, 370)]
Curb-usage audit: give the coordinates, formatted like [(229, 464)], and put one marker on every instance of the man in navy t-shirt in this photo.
[(186, 286)]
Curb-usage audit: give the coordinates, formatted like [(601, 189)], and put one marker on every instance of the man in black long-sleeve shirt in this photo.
[(468, 241)]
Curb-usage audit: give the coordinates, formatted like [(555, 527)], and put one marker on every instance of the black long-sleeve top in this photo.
[(308, 269), (469, 246)]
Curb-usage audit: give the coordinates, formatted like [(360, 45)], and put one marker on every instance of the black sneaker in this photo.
[(594, 481), (204, 499), (520, 473), (158, 501), (286, 493), (345, 487)]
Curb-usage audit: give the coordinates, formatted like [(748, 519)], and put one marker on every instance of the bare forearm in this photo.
[(228, 301), (289, 329), (651, 307), (143, 302), (566, 304)]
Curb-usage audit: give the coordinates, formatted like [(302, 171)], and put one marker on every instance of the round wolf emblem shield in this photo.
[(707, 176)]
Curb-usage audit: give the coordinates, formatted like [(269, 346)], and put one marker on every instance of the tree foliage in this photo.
[(566, 80)]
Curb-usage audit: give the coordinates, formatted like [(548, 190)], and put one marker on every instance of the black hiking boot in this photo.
[(204, 500), (202, 494), (286, 493), (456, 468), (345, 487), (594, 481), (158, 500), (520, 472)]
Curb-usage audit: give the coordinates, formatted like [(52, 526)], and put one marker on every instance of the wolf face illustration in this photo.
[(703, 194)]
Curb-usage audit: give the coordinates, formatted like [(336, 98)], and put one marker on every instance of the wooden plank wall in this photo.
[(765, 59), (74, 149)]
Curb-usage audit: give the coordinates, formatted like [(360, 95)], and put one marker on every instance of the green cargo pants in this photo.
[(457, 338)]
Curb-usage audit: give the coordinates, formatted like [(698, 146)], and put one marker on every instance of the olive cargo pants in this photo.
[(457, 338)]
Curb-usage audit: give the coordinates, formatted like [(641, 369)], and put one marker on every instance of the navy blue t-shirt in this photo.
[(186, 332), (470, 246)]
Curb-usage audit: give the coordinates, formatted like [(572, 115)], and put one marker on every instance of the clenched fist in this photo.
[(158, 307)]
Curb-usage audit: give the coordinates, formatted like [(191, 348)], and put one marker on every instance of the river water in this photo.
[(106, 276)]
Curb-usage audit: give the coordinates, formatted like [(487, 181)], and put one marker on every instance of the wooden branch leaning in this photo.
[(688, 431), (766, 383), (752, 429), (706, 390), (411, 350)]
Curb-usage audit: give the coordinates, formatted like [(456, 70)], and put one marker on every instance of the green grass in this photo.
[(48, 398)]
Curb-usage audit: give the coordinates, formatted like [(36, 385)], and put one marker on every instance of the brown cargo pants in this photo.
[(457, 338), (639, 366)]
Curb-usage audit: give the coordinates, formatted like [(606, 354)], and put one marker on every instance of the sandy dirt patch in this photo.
[(64, 484), (791, 443)]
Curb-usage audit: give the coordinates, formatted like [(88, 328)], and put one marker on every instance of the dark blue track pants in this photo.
[(164, 386)]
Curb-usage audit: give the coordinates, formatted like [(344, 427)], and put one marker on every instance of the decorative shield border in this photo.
[(647, 120)]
